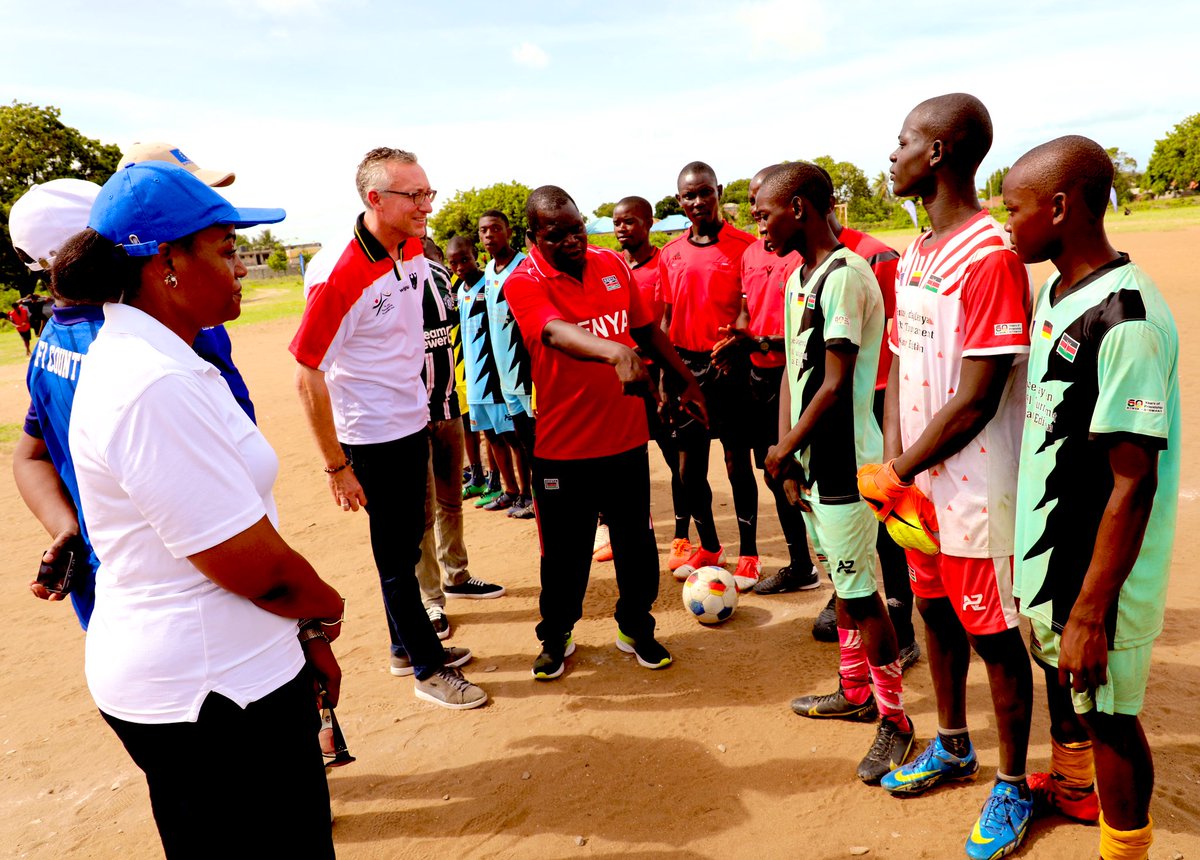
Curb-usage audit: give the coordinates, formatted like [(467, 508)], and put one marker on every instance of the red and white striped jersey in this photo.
[(965, 295)]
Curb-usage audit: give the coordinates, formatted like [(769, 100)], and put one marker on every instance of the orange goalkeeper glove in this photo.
[(905, 511)]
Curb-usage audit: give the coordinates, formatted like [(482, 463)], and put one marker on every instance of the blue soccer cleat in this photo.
[(1002, 823), (932, 766)]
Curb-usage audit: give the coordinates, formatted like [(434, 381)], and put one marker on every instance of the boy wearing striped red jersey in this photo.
[(578, 310), (701, 291), (1098, 490), (952, 424)]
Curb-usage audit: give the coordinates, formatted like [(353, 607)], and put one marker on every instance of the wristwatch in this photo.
[(764, 344)]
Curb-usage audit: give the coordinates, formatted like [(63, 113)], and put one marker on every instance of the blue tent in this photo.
[(671, 224), (600, 225)]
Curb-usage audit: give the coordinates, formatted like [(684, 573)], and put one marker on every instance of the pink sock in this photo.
[(852, 667), (889, 691)]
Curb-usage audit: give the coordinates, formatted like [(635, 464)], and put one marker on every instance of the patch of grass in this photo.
[(270, 299), (9, 433), (12, 348)]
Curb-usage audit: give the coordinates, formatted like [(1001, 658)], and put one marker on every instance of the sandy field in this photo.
[(704, 759)]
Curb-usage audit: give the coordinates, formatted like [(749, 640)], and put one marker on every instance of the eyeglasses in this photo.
[(417, 197)]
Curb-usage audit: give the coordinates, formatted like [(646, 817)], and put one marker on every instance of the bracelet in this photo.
[(307, 634), (313, 623), (333, 471)]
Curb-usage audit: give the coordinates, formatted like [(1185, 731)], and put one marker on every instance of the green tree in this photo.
[(460, 214), (667, 207), (994, 184), (850, 186), (265, 240), (35, 147), (881, 186), (1126, 176), (604, 210), (737, 191), (278, 259), (1175, 162)]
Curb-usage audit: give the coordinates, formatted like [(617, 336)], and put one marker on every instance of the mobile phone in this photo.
[(58, 576)]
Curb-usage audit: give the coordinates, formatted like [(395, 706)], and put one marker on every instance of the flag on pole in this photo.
[(911, 208)]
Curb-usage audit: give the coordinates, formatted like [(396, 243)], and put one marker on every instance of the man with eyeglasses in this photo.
[(360, 349)]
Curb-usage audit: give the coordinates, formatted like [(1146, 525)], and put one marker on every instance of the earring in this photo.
[(170, 280)]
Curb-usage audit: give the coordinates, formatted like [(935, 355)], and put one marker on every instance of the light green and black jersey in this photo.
[(1104, 365), (837, 304)]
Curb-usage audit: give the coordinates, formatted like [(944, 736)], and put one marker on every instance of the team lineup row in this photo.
[(773, 346)]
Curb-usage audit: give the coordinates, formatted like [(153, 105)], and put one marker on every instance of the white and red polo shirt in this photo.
[(582, 411), (703, 286), (963, 296), (363, 327)]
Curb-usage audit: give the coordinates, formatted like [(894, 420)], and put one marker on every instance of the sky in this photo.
[(605, 99)]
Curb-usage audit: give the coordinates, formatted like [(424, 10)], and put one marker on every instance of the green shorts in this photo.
[(844, 538), (1128, 673)]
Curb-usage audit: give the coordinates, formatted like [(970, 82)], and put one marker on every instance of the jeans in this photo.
[(393, 477), (237, 783), (443, 515), (568, 496)]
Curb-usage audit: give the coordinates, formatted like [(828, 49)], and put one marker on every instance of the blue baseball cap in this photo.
[(153, 202)]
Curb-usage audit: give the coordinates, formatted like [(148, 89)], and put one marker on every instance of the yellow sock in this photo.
[(1125, 844), (1073, 764)]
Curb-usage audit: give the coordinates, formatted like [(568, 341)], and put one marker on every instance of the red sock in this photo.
[(852, 667), (889, 692)]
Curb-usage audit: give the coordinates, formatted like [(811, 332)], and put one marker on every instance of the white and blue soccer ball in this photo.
[(710, 594)]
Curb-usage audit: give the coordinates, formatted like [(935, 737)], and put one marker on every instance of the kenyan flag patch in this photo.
[(1068, 347)]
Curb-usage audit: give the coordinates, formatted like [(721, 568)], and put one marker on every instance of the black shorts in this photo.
[(727, 400), (762, 427)]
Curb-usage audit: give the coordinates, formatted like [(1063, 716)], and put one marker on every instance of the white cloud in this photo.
[(784, 29), (531, 56)]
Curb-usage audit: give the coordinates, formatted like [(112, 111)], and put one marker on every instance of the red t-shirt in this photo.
[(20, 317), (647, 276), (582, 412), (763, 277), (882, 260), (703, 286)]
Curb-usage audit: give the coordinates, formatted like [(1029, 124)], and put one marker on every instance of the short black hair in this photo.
[(495, 213), (1070, 163), (762, 174), (961, 123), (545, 198), (697, 168), (459, 239), (639, 204), (799, 179)]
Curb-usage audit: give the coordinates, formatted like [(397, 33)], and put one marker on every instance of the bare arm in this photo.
[(585, 346), (314, 397), (980, 385), (892, 446), (44, 494), (259, 565), (1083, 660)]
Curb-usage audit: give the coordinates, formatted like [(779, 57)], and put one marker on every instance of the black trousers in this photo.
[(568, 496), (394, 476), (237, 783)]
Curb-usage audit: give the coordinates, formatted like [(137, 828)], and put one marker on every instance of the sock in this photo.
[(748, 535), (852, 666), (1018, 781), (493, 484), (681, 526), (476, 475), (1125, 844), (707, 532), (889, 692), (1072, 766), (957, 742)]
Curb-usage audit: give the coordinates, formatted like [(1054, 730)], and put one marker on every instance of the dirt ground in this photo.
[(704, 759)]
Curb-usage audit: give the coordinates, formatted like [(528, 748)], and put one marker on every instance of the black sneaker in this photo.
[(441, 624), (909, 655), (825, 627), (786, 580), (473, 589), (648, 651), (549, 664), (888, 751), (835, 706)]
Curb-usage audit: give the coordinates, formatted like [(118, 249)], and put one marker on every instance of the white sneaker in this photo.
[(601, 538), (449, 689)]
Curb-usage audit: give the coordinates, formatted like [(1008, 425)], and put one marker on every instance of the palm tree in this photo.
[(881, 186)]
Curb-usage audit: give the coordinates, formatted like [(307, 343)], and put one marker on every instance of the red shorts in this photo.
[(980, 589)]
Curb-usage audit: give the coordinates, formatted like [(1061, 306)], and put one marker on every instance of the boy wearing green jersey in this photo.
[(1098, 488), (833, 327)]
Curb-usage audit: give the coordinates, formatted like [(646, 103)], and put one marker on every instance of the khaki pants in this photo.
[(443, 550)]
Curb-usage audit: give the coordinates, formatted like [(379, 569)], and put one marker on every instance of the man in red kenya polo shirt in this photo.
[(702, 290), (578, 310)]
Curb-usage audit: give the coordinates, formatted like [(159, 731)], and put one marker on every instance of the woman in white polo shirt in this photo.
[(194, 655)]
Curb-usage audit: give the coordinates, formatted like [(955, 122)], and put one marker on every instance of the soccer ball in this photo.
[(710, 594)]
